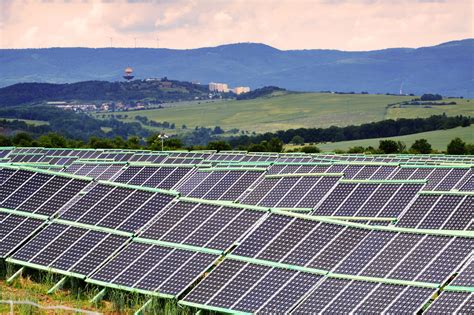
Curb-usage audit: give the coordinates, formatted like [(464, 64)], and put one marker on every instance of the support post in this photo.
[(15, 275), (96, 299), (141, 310), (58, 285)]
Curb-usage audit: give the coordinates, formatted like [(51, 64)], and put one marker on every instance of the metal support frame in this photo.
[(15, 275), (98, 297), (58, 285), (141, 310)]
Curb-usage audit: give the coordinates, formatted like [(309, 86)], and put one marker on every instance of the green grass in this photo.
[(295, 110), (33, 286), (29, 121), (438, 139)]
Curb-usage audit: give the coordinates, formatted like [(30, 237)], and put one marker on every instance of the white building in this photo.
[(218, 87), (241, 89)]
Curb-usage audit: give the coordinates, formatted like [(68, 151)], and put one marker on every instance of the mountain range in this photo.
[(447, 68)]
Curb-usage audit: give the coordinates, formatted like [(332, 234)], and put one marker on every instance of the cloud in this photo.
[(285, 24)]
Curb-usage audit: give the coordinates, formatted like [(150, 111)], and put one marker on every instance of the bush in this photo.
[(218, 146), (388, 146), (358, 149), (457, 147), (310, 149), (421, 146), (431, 97), (297, 140)]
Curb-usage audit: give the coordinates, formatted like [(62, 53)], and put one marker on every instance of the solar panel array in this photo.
[(241, 232)]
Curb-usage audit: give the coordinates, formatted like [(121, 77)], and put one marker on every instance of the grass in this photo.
[(295, 110), (29, 121), (33, 286), (438, 139)]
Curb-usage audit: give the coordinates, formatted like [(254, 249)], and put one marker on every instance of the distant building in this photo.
[(218, 87), (77, 107), (241, 89), (128, 75)]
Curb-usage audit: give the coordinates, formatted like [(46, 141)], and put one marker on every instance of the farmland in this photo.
[(438, 139), (295, 110)]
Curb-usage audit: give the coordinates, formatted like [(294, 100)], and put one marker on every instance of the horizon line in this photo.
[(232, 44)]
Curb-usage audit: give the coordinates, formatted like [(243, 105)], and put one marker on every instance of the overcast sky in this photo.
[(284, 24)]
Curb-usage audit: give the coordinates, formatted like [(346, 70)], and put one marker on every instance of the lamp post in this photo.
[(162, 137)]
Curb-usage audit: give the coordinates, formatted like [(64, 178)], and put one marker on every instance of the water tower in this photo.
[(128, 75)]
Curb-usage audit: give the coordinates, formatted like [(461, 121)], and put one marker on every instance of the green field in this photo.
[(29, 121), (439, 139), (295, 110)]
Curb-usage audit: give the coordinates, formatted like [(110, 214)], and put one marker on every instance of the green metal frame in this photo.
[(383, 181), (212, 308), (25, 214), (15, 275), (305, 175), (143, 188), (436, 165), (45, 268), (455, 288), (385, 280), (270, 263), (450, 192), (226, 169), (178, 246), (452, 233), (145, 164), (93, 227), (58, 285), (130, 289)]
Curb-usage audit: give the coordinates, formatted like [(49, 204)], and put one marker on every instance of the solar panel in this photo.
[(68, 249), (453, 303), (222, 252)]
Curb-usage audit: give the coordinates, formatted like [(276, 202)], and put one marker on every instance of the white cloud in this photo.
[(285, 24)]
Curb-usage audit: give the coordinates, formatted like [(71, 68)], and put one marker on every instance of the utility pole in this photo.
[(162, 137)]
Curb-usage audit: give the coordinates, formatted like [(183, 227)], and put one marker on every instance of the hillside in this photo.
[(438, 139), (154, 91), (445, 68), (295, 110)]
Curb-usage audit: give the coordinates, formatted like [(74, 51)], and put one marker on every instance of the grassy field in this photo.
[(29, 121), (27, 290), (296, 110), (439, 139)]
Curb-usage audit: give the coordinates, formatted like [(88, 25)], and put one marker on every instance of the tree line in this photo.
[(54, 140), (382, 129)]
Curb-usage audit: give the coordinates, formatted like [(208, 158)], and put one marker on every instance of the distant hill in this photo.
[(153, 91), (446, 69)]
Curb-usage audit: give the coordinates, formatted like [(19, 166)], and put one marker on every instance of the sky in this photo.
[(285, 24)]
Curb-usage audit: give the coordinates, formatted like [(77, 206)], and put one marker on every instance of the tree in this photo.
[(218, 146), (173, 143), (275, 145), (388, 146), (133, 143), (5, 141), (297, 140), (310, 149), (421, 146), (52, 140), (431, 97), (356, 149), (218, 130), (470, 148), (22, 139), (457, 147)]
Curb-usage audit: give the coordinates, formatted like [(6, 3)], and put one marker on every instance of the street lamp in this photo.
[(162, 137)]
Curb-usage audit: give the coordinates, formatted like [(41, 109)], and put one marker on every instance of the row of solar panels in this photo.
[(149, 240), (68, 156)]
